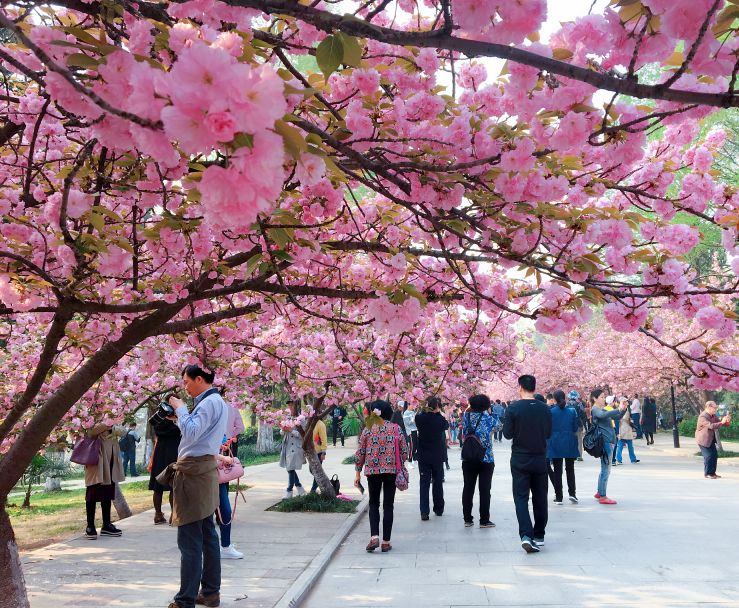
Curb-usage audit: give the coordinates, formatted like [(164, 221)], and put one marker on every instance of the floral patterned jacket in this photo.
[(376, 451)]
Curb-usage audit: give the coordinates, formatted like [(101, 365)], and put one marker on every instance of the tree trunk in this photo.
[(120, 504), (719, 445), (316, 468), (265, 439), (27, 500), (12, 583)]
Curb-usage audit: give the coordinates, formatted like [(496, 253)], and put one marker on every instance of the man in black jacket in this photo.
[(338, 414), (528, 422), (432, 426)]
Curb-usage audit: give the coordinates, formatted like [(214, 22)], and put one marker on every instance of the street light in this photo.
[(675, 432)]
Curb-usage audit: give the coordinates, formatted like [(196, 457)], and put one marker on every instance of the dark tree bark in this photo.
[(121, 504)]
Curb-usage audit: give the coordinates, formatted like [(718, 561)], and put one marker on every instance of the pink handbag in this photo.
[(229, 472)]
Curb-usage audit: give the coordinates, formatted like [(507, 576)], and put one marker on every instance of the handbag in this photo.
[(336, 483), (86, 451), (229, 472), (401, 473)]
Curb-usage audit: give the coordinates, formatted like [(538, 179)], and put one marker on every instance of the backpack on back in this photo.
[(472, 448), (126, 442)]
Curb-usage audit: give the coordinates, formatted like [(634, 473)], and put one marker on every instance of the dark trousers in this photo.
[(384, 483), (337, 430), (480, 474), (530, 477), (129, 462), (498, 434), (649, 436), (555, 476), (432, 477), (414, 446), (710, 459), (105, 509), (200, 563)]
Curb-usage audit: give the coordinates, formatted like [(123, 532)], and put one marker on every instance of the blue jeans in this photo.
[(605, 468), (453, 433), (292, 480), (129, 462), (636, 420), (710, 459), (225, 515), (630, 444), (200, 562)]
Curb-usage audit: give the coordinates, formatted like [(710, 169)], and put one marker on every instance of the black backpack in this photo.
[(126, 442), (472, 448), (592, 441)]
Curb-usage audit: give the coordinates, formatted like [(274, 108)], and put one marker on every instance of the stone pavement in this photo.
[(671, 541), (141, 568)]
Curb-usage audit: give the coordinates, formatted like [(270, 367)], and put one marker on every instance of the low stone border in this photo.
[(300, 589)]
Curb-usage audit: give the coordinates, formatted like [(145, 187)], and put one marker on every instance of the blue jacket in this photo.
[(563, 442)]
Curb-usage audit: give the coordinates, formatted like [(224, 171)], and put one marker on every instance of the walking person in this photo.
[(705, 436), (573, 401), (380, 448), (194, 482), (453, 418), (498, 414), (234, 428), (100, 480), (477, 467), (432, 427), (626, 434), (292, 456), (397, 418), (320, 443), (605, 418), (528, 422), (562, 446), (409, 420), (338, 415), (165, 453), (635, 413), (649, 419), (127, 445)]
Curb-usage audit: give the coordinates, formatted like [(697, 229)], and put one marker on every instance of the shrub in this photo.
[(350, 460), (731, 432), (351, 425), (315, 503), (248, 455)]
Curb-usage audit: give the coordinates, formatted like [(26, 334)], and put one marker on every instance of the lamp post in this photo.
[(675, 433)]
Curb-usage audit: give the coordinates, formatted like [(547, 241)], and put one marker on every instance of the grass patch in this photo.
[(260, 459), (723, 454), (350, 460), (315, 503)]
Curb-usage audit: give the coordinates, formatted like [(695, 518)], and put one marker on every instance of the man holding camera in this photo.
[(194, 483)]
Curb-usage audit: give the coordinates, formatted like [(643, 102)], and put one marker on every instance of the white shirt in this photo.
[(636, 406)]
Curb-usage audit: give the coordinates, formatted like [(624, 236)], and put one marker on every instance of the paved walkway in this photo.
[(141, 568), (671, 541)]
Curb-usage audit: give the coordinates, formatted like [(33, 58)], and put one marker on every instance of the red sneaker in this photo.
[(597, 496), (604, 500)]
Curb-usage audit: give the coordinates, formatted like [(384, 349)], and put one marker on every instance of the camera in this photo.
[(163, 410)]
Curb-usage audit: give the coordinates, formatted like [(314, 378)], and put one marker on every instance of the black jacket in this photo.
[(529, 423), (336, 412), (431, 441)]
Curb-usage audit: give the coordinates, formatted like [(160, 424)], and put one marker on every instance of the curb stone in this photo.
[(302, 586)]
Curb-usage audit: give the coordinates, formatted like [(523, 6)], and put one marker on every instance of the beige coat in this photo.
[(101, 473), (626, 428), (194, 483)]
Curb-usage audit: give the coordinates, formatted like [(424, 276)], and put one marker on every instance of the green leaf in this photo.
[(292, 138), (411, 290), (352, 50), (252, 263), (281, 236), (329, 54), (80, 60), (97, 221)]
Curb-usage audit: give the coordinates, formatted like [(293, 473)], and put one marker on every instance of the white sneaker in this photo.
[(230, 552), (287, 495), (301, 491)]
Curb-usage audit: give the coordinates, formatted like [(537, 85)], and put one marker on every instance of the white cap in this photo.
[(610, 399)]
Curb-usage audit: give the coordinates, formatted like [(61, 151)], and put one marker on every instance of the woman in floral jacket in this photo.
[(377, 454)]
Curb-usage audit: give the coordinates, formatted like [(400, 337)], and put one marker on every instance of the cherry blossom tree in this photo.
[(167, 166)]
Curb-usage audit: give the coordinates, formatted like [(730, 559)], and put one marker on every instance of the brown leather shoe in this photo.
[(159, 519), (208, 600), (386, 546), (372, 545)]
